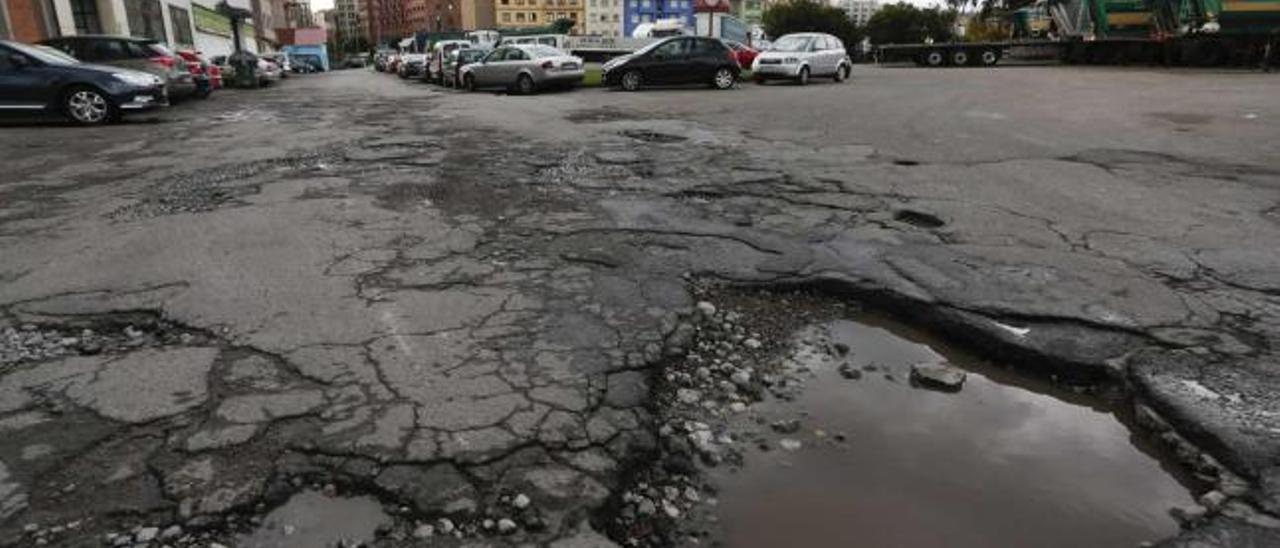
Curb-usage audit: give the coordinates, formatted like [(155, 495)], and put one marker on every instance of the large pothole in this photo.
[(866, 454), (796, 419)]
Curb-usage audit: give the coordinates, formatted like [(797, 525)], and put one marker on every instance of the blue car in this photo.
[(39, 79)]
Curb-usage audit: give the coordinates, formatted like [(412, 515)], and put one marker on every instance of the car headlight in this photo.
[(790, 61), (136, 79)]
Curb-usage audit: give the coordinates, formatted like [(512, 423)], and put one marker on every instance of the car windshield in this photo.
[(539, 52), (44, 54), (66, 57), (792, 43)]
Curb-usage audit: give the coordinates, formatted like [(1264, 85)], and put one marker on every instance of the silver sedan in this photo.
[(524, 68)]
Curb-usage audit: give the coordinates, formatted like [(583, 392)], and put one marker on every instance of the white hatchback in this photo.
[(802, 56)]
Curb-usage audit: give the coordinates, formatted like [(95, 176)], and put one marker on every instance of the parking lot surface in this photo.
[(445, 299)]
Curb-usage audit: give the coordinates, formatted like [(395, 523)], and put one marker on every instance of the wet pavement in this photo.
[(467, 306), (1007, 460), (311, 519)]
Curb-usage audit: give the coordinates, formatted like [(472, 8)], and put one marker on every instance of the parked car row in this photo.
[(678, 60), (95, 79), (266, 70), (520, 68)]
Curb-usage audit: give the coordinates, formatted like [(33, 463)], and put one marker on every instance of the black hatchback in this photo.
[(674, 61), (34, 79)]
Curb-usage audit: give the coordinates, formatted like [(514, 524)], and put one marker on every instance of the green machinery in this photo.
[(1167, 32), (1218, 32)]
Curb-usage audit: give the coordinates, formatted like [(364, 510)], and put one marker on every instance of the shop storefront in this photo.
[(213, 32)]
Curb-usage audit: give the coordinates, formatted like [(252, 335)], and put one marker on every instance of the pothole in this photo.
[(876, 434), (872, 452), (650, 136), (918, 218), (91, 335), (901, 162), (215, 187), (600, 115), (311, 519)]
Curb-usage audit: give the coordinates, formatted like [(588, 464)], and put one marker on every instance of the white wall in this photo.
[(213, 44)]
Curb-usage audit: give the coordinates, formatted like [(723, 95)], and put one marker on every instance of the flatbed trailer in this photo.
[(1190, 50), (987, 54), (1114, 32)]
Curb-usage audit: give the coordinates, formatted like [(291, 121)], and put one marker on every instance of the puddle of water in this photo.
[(314, 520), (1006, 461)]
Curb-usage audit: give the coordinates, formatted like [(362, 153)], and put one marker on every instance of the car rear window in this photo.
[(106, 50)]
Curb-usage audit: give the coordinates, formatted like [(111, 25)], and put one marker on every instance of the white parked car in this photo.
[(802, 56), (268, 72), (523, 69)]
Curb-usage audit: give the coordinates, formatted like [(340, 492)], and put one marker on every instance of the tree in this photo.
[(810, 16), (903, 23)]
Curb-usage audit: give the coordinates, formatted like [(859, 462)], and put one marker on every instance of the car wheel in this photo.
[(803, 78), (469, 82), (632, 80), (842, 72), (524, 84), (959, 58), (723, 78), (88, 106)]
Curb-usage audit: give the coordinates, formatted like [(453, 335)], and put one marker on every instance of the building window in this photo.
[(145, 19), (533, 17), (520, 17), (181, 20), (506, 2), (85, 15), (506, 17)]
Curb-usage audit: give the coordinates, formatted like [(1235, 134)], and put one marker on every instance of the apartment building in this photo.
[(387, 21), (537, 13), (27, 20), (179, 23), (636, 12), (347, 22), (433, 15), (859, 11), (603, 18), (478, 14)]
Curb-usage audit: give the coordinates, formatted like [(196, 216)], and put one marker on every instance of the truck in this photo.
[(593, 48), (598, 49), (1169, 32)]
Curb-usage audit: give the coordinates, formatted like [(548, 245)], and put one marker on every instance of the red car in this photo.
[(743, 53), (202, 71)]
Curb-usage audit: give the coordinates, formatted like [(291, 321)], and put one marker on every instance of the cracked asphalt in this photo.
[(444, 299)]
